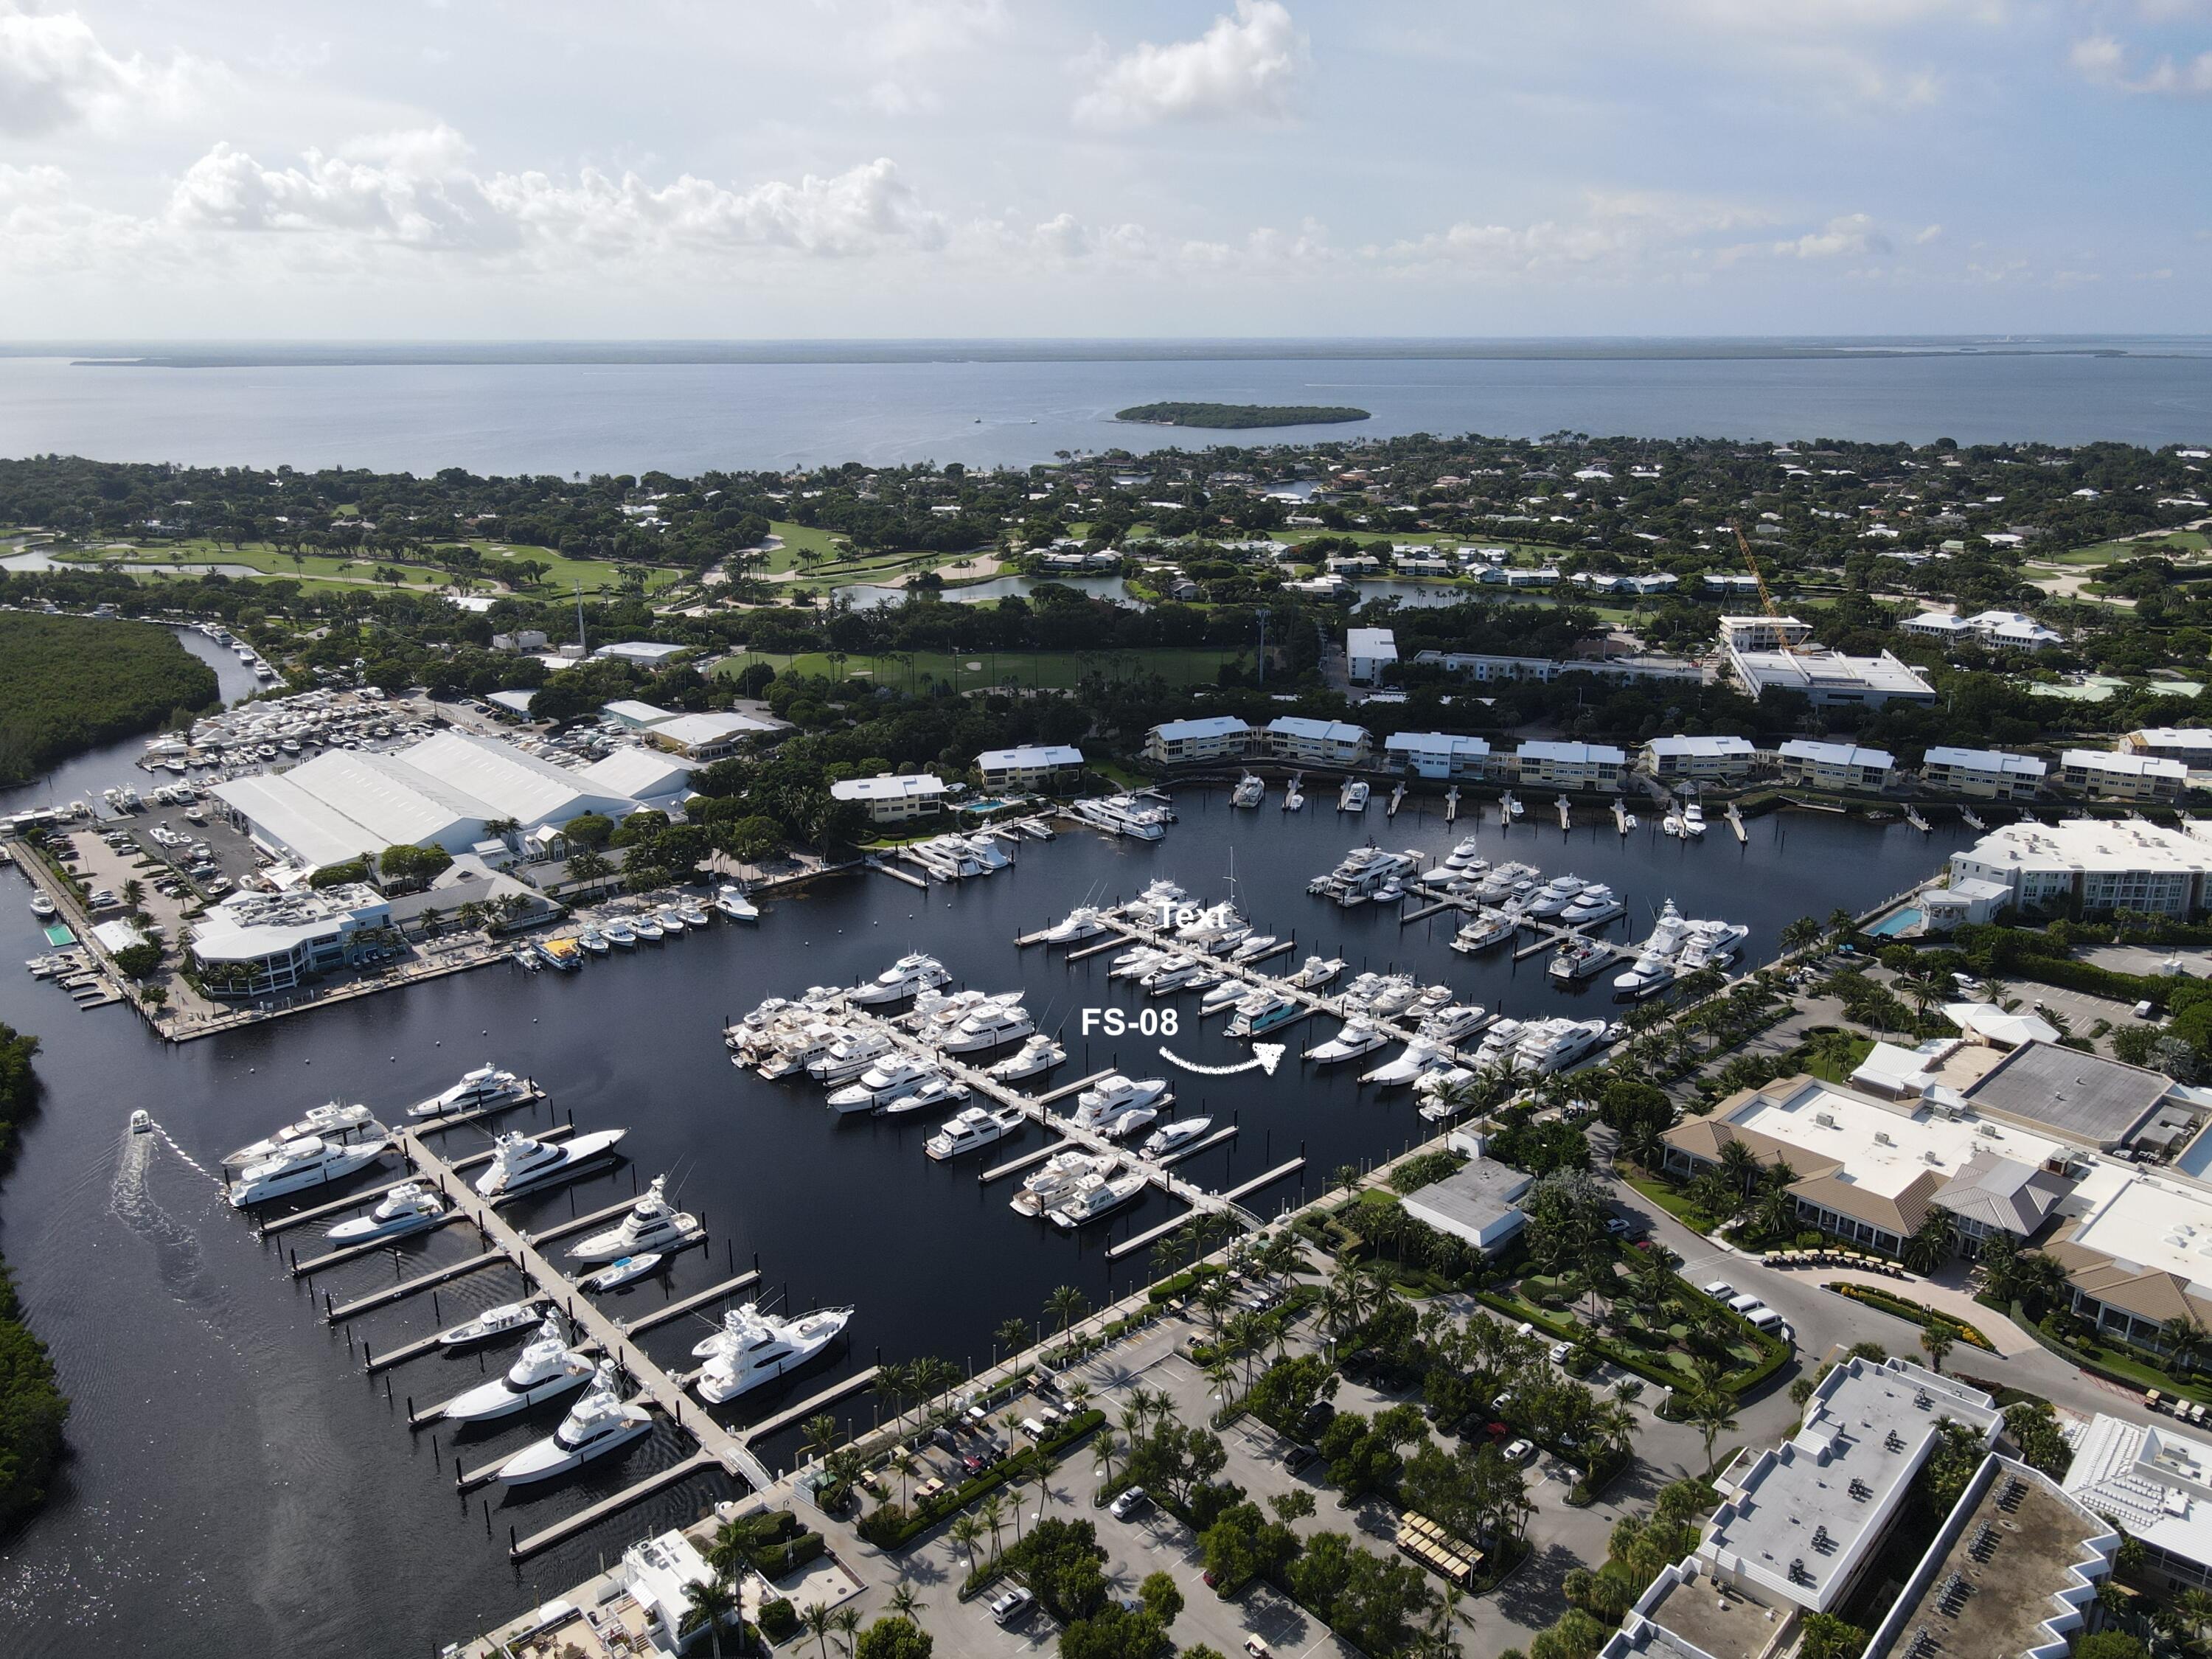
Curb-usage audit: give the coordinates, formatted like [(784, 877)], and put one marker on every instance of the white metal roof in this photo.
[(1213, 726), (1698, 745), (1835, 754), (888, 786), (1986, 760), (637, 773), (1028, 755), (1537, 749)]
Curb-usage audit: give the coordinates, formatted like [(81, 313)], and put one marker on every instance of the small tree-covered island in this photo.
[(1241, 417)]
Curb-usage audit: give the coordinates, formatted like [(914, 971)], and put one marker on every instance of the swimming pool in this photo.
[(1891, 926)]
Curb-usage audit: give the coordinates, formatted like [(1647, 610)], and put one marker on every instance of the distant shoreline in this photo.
[(1241, 417)]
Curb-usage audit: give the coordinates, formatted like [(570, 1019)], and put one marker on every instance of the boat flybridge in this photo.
[(1551, 1045), (487, 1086), (849, 1057), (522, 1164), (652, 1224), (305, 1163), (600, 1423), (1251, 789), (1095, 1201), (1485, 929), (407, 1208), (1262, 1011), (1114, 1094), (732, 903), (881, 1084), (753, 1348), (991, 1026), (1317, 972), (1058, 1176), (971, 1129), (336, 1122), (934, 1089), (492, 1323), (909, 976), (1039, 1053), (1418, 1059), (546, 1369)]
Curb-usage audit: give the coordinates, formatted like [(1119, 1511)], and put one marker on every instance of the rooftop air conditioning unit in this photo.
[(1931, 1156), (1882, 1138)]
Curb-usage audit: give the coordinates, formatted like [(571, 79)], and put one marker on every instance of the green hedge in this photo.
[(905, 1527), (778, 1619), (1912, 1310), (1773, 1351)]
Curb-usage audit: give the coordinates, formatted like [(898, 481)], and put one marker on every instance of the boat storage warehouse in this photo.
[(440, 792)]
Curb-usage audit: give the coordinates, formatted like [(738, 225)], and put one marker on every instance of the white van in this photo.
[(1743, 1304), (1765, 1319)]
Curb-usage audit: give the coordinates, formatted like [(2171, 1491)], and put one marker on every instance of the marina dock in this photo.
[(361, 1195), (1734, 816), (684, 1304)]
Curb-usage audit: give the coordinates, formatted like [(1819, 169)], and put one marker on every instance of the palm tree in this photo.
[(993, 1514), (2195, 1607), (1078, 1395), (966, 1532), (1714, 1414), (1346, 1175), (709, 1603), (904, 1603), (1066, 1305), (846, 1621), (1104, 1449), (2184, 1340), (1937, 1340), (903, 1465), (819, 1431), (1931, 1243), (1012, 1336), (1842, 923), (1800, 933), (1739, 1164), (817, 1619)]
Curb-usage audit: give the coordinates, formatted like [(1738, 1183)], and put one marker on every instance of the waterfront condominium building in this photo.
[(1571, 765), (2104, 775), (891, 798), (1446, 755), (1048, 767), (1188, 743), (1844, 766), (1706, 759), (1984, 774), (1317, 743), (1368, 653), (254, 944), (2006, 631), (2092, 864), (2190, 744)]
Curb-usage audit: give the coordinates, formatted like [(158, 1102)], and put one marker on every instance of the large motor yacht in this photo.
[(1551, 1045), (652, 1224), (522, 1164), (1115, 1093), (487, 1086), (1039, 1054), (1555, 896), (1250, 791), (305, 1163), (1595, 902), (1450, 1025), (991, 1026), (753, 1348), (1095, 1201), (1261, 1012), (1173, 1137), (337, 1122), (909, 976), (881, 1084), (492, 1323), (1081, 923), (1418, 1059), (1498, 1043), (407, 1208), (933, 1089), (849, 1057), (1317, 972), (1058, 1176), (974, 1129), (1357, 1038), (600, 1423), (545, 1369)]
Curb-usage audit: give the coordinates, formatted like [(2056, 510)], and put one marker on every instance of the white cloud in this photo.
[(1249, 65), (54, 74), (1850, 235), (2103, 62), (1921, 238), (1615, 234)]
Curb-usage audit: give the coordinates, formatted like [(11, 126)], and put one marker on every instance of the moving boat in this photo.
[(652, 1224), (624, 1270), (909, 976), (522, 1164), (991, 1026), (310, 1161), (1250, 791), (1171, 1137), (1081, 923), (492, 1323), (1317, 972), (731, 901), (1098, 1200), (600, 1423), (1039, 1054), (968, 1130), (881, 1084), (487, 1086), (1357, 1038), (338, 1121), (753, 1348), (546, 1369), (407, 1208), (932, 1090), (142, 1122)]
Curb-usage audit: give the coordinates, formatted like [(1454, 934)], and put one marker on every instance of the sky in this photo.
[(689, 169)]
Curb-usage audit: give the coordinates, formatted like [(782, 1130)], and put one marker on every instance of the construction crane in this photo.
[(1765, 599)]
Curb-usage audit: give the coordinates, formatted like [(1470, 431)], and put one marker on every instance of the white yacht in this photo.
[(1059, 1176), (545, 1369), (594, 941), (1448, 1026), (1498, 1043), (1352, 798), (909, 976), (1227, 994), (1551, 1045), (1039, 1054), (337, 1122), (407, 1208), (1250, 791), (935, 1090), (623, 1270), (647, 928), (1317, 972), (1418, 1059), (620, 934), (1173, 1137), (1261, 1012), (1357, 1038), (1294, 799), (731, 901), (966, 1131), (1120, 1125), (1159, 894), (990, 1027), (881, 1084), (1393, 993), (1115, 1093), (1693, 820), (849, 1057), (41, 906), (673, 921), (1253, 946), (1168, 977), (307, 1162), (1711, 944), (1095, 1201), (1081, 923), (693, 914), (753, 1348), (1554, 895), (1595, 902), (1487, 928), (652, 1224), (600, 1423), (1579, 959), (487, 1086), (1136, 962), (521, 1164), (1465, 856), (492, 1323), (1213, 927)]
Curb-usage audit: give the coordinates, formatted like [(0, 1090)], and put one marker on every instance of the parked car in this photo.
[(1520, 1452), (1297, 1457), (1128, 1503), (1014, 1605), (1745, 1303), (1560, 1351), (1720, 1290)]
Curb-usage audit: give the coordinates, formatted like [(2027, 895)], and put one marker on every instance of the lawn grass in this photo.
[(1838, 1070), (1674, 1203), (335, 570), (1048, 670), (2182, 544)]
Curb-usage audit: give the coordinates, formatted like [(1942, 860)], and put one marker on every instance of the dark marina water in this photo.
[(1019, 408), (238, 1486)]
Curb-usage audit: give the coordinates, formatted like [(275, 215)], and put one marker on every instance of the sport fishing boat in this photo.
[(1465, 856), (1352, 798), (623, 1270), (546, 1369), (648, 928), (620, 934), (1693, 820), (970, 1130), (881, 1084), (600, 1423), (337, 1122), (1095, 1202), (521, 1164), (1250, 791), (652, 1224), (594, 941), (1081, 923), (934, 1089), (1317, 972), (732, 903), (695, 917), (1579, 959), (407, 1208), (1357, 1038), (753, 1348), (307, 1162), (487, 1086), (1118, 1126), (909, 976), (1173, 1137), (1039, 1054), (492, 1323)]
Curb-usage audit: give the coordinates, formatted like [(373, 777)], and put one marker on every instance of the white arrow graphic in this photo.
[(1268, 1056)]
